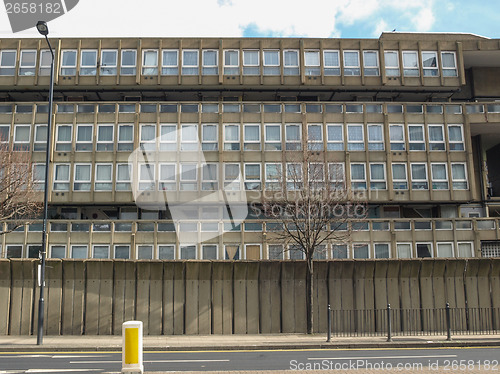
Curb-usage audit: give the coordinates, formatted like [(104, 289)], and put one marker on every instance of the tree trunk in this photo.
[(309, 295)]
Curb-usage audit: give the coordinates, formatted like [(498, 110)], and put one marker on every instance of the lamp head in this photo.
[(42, 28)]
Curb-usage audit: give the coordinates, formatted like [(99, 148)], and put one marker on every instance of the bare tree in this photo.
[(312, 204), (20, 193)]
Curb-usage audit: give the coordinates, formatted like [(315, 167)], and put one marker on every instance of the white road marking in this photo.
[(149, 361), (379, 357), (79, 356), (59, 370)]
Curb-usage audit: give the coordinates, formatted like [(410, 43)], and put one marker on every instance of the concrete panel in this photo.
[(168, 298), (228, 298), (393, 291), (179, 297), (142, 306), (5, 292), (287, 298), (472, 293), (240, 297), (484, 296), (270, 297), (204, 299), (68, 273), (16, 296), (93, 271), (28, 294), (78, 297), (438, 291), (410, 294), (130, 290), (300, 296), (192, 274), (494, 281), (54, 296), (320, 296), (155, 298), (217, 296), (118, 296), (252, 301), (106, 298), (334, 285), (380, 289)]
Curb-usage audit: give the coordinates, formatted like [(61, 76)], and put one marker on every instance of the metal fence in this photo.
[(405, 322)]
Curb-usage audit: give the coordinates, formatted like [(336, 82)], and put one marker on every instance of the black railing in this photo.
[(412, 322)]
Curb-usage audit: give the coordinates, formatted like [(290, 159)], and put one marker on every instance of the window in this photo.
[(271, 62), (335, 137), (403, 250), (123, 177), (314, 137), (294, 176), (231, 137), (410, 64), (39, 176), (358, 176), (291, 62), (109, 62), (375, 138), (419, 177), (251, 137), (103, 177), (68, 62), (210, 62), (148, 137), (88, 62), (311, 63), (293, 137), (125, 137), (104, 138), (424, 250), (209, 177), (295, 252), (22, 137), (456, 137), (57, 251), (45, 62), (188, 252), (416, 137), (122, 251), (439, 176), (331, 62), (351, 63), (316, 174), (355, 138), (272, 140), (144, 252), (275, 251), (150, 62), (189, 137), (370, 63), (128, 62), (399, 177), (27, 62), (167, 180), (273, 176), (170, 62), (4, 133), (381, 250), (84, 137), (397, 136), (465, 249), (336, 175), (231, 62), (190, 61), (459, 176), (63, 139), (168, 137), (232, 177), (209, 137), (82, 177), (436, 138), (209, 251), (449, 64), (252, 251), (61, 177), (146, 177), (377, 177), (339, 251), (252, 177), (251, 62), (188, 177), (391, 63), (361, 250), (444, 249), (79, 251), (8, 62), (429, 64)]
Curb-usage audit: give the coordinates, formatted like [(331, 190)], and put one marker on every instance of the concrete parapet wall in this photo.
[(94, 297)]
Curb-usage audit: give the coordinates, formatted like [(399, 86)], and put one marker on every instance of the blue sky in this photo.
[(267, 18)]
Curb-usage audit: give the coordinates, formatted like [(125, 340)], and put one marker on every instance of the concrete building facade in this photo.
[(411, 120)]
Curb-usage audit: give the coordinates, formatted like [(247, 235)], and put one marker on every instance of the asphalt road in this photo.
[(409, 360)]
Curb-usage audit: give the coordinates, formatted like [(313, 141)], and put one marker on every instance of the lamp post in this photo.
[(44, 30)]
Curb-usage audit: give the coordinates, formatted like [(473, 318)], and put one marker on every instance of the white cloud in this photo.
[(379, 28), (423, 20), (355, 10)]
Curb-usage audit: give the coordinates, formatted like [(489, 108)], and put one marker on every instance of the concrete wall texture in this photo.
[(94, 297)]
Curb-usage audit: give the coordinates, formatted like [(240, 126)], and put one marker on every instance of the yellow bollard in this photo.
[(132, 347)]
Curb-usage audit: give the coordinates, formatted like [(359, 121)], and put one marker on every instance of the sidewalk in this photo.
[(238, 342)]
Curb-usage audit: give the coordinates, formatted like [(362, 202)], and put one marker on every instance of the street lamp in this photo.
[(44, 30)]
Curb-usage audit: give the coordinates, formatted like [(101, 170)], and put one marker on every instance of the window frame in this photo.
[(379, 181), (372, 143), (107, 145), (5, 70), (120, 181), (272, 183), (165, 183), (331, 70), (456, 145), (233, 144), (235, 184), (455, 181), (295, 144), (165, 143), (103, 182), (29, 68), (169, 70), (312, 143), (358, 184), (440, 182), (312, 69), (66, 182), (256, 183), (400, 142), (146, 184), (87, 143), (453, 253), (21, 145), (411, 71), (371, 71), (210, 69), (273, 145), (360, 244), (446, 69), (231, 69), (206, 143), (410, 244), (291, 70), (354, 70), (330, 144), (150, 144), (82, 181), (189, 144), (113, 69), (190, 69), (249, 145), (399, 180), (71, 68), (88, 70), (392, 70), (122, 142), (153, 69), (44, 69), (436, 145), (253, 69), (416, 145), (212, 183), (351, 145), (125, 68), (415, 181), (430, 71), (270, 69)]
